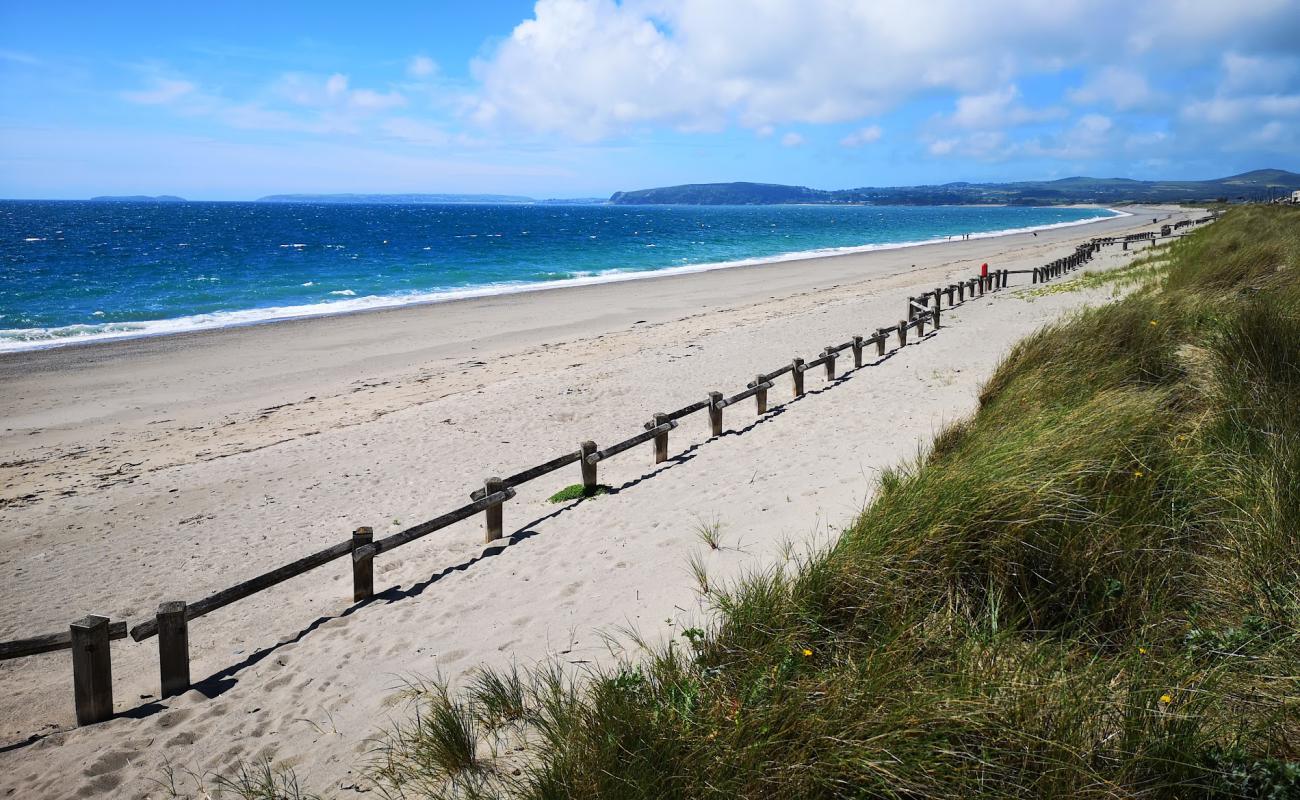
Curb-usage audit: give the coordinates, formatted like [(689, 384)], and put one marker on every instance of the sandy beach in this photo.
[(147, 470)]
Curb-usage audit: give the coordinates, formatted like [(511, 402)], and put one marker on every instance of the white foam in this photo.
[(15, 339)]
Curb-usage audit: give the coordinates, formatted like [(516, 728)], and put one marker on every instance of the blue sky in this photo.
[(564, 98)]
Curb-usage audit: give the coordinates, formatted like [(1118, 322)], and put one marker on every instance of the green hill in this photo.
[(1256, 185)]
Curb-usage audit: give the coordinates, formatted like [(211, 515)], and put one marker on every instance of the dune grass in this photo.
[(577, 491), (1089, 589)]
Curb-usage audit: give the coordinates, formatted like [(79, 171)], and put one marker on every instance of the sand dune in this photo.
[(141, 471)]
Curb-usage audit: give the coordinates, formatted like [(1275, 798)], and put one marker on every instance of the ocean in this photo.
[(74, 271)]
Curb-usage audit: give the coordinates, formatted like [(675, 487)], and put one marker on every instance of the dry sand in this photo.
[(156, 469)]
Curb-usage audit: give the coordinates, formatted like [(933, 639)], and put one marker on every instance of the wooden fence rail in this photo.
[(89, 638)]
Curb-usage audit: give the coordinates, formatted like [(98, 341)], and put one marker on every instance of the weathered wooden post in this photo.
[(911, 310), (661, 439), (760, 397), (857, 352), (961, 292), (881, 339), (715, 413), (363, 565), (920, 327), (92, 670), (1006, 278), (173, 648), (950, 291), (588, 470), (796, 372), (1034, 278), (902, 333), (935, 315), (831, 355), (492, 520)]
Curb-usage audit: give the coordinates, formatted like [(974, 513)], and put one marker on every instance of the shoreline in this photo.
[(168, 468), (220, 320)]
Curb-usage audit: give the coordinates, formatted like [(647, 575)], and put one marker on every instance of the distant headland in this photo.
[(1256, 185)]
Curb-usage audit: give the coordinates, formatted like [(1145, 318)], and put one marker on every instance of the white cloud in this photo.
[(867, 135), (594, 68), (1122, 88), (336, 85), (998, 109), (792, 140), (421, 67), (164, 91), (293, 102)]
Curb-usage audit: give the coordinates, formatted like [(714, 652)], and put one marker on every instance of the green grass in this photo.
[(1145, 273), (576, 491), (1091, 588)]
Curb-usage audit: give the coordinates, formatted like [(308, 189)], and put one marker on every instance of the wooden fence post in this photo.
[(857, 352), (911, 310), (831, 355), (588, 470), (363, 567), (492, 520), (961, 292), (92, 670), (950, 291), (902, 333), (715, 413), (797, 374), (661, 440), (173, 648), (935, 314), (760, 397), (1034, 279), (920, 327), (881, 338)]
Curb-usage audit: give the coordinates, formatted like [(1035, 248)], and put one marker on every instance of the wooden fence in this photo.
[(89, 638)]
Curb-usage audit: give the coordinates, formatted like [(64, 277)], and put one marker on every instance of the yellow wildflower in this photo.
[(1153, 323), (1165, 699), (806, 652), (1142, 650), (1137, 473)]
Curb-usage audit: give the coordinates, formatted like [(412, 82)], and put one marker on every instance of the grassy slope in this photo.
[(1091, 588)]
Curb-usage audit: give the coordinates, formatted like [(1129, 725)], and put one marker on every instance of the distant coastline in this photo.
[(1064, 191)]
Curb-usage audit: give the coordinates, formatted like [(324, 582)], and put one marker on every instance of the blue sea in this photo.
[(83, 271)]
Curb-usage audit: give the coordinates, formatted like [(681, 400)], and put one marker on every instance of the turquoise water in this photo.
[(82, 271)]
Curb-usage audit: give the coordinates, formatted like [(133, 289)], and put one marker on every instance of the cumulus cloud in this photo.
[(792, 140), (590, 69), (867, 135), (1121, 88), (998, 109), (421, 67)]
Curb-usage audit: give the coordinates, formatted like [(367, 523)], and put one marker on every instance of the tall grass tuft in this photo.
[(1089, 589)]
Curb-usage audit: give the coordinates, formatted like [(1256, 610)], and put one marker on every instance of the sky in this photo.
[(580, 98)]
